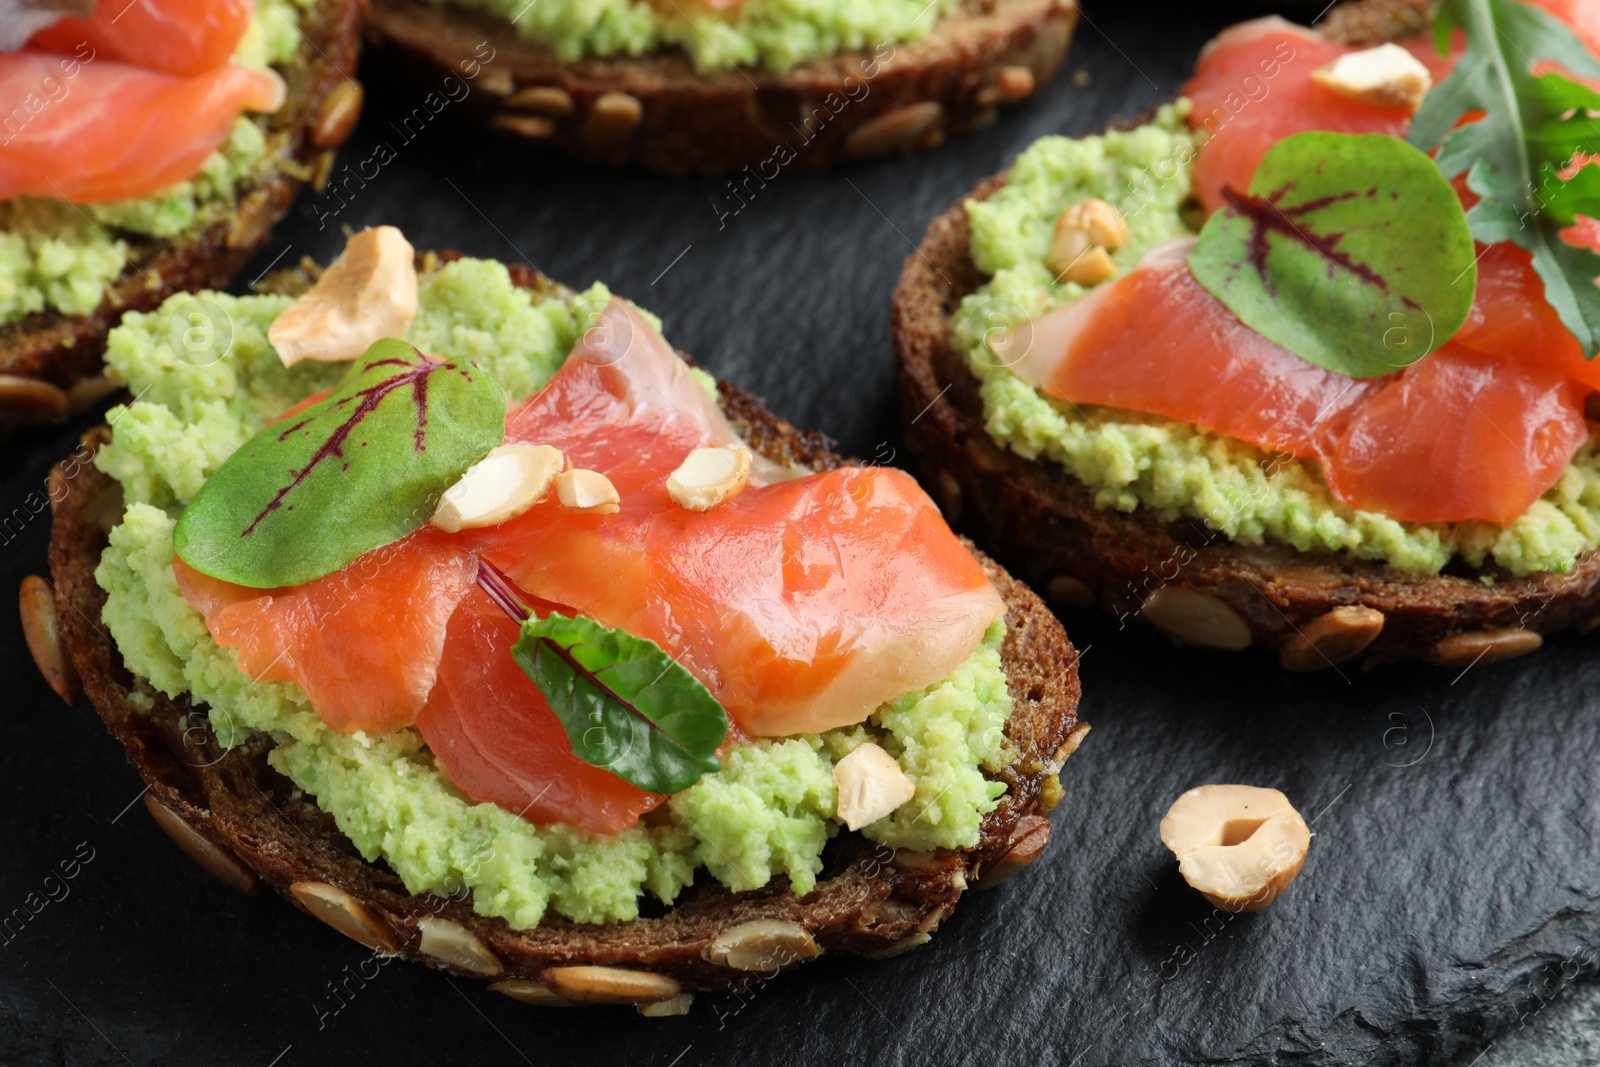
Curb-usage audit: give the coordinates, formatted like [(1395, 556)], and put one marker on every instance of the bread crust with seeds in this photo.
[(657, 111), (50, 363), (250, 825), (1189, 580)]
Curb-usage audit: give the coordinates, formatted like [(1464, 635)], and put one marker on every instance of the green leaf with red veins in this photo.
[(625, 704), (359, 469), (1351, 251)]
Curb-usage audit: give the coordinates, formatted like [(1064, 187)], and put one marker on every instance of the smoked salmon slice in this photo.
[(1253, 87), (1460, 435), (122, 131), (171, 36), (491, 730), (1156, 341), (363, 642), (802, 604)]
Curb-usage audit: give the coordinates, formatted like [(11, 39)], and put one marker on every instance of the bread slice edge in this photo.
[(658, 112)]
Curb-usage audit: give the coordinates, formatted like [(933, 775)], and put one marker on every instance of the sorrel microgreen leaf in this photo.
[(360, 469), (626, 705), (1351, 251), (1531, 128)]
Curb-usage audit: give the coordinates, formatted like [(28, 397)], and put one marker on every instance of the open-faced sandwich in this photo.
[(1304, 360), (513, 643), (708, 86), (147, 147)]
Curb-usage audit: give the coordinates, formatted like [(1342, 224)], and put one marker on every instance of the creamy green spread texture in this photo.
[(779, 34), (61, 257), (1133, 460), (767, 812)]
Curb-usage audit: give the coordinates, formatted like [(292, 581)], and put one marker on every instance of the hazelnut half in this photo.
[(709, 478), (499, 487), (1239, 845), (368, 293)]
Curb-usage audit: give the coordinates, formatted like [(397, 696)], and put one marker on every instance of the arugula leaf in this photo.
[(1532, 127), (360, 469), (625, 704), (1351, 251)]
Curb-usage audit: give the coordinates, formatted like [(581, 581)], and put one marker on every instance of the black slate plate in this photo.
[(1451, 889)]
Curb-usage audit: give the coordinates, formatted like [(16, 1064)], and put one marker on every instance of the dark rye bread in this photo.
[(50, 364), (248, 824), (1314, 609), (657, 111)]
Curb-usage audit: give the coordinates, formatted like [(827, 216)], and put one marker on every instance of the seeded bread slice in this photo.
[(50, 364), (1315, 610), (247, 824), (659, 112)]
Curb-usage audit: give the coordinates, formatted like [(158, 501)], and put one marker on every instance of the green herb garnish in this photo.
[(1351, 251), (624, 703), (1532, 127), (360, 469)]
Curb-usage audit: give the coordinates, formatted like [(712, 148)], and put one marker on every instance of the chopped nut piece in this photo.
[(1091, 268), (1239, 845), (1074, 257), (589, 491), (1101, 221), (367, 294), (709, 478), (871, 785), (499, 487), (1385, 76), (1068, 246)]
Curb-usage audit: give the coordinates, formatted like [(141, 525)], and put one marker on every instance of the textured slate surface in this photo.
[(1453, 881)]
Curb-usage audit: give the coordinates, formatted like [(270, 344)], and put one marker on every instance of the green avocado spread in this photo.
[(1133, 460), (777, 34), (767, 812), (61, 257)]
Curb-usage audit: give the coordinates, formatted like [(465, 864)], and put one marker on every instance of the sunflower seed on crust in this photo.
[(1332, 638), (344, 913), (589, 984), (29, 400), (450, 942), (212, 857), (894, 131), (336, 118), (41, 628), (762, 945), (1197, 619), (1486, 646), (532, 992)]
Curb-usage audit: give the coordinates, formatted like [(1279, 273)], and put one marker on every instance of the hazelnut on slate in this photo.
[(1239, 845)]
